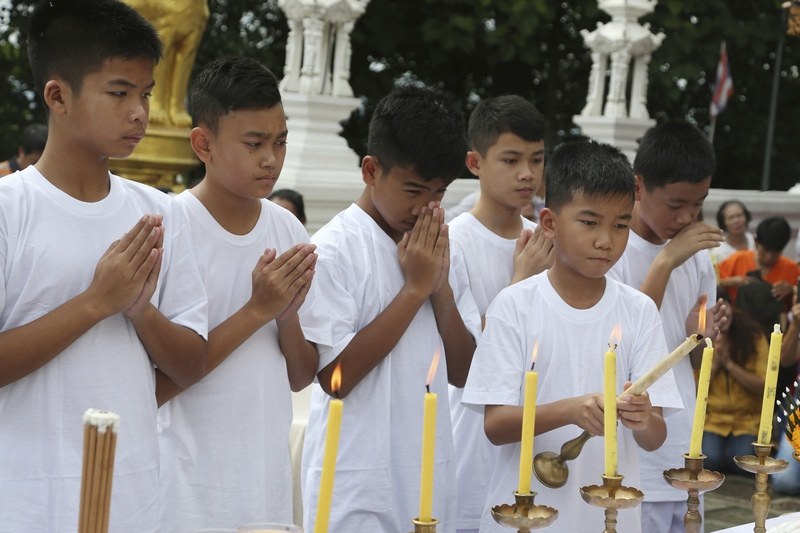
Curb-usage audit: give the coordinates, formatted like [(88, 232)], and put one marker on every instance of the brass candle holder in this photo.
[(424, 527), (551, 469), (612, 496), (762, 465), (694, 479), (524, 515)]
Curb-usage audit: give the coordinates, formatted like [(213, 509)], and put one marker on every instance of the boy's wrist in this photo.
[(664, 260)]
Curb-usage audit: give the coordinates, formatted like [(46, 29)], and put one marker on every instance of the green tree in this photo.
[(478, 48)]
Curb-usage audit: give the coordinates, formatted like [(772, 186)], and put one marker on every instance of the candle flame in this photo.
[(432, 369), (534, 354), (701, 320), (615, 337), (336, 379)]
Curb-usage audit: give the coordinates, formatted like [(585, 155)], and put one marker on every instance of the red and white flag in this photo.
[(723, 86)]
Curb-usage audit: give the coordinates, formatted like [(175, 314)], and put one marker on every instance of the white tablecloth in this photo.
[(788, 523)]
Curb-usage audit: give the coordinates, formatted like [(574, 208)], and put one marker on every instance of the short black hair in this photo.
[(773, 233), (593, 168), (721, 217), (228, 84), (296, 199), (420, 128), (73, 38), (504, 114), (33, 138), (672, 152)]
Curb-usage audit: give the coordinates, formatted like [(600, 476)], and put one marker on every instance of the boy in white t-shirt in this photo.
[(387, 301), (569, 312), (499, 247), (224, 441), (666, 259), (99, 284)]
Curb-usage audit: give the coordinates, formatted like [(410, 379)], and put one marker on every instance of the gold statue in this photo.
[(165, 151), (180, 24)]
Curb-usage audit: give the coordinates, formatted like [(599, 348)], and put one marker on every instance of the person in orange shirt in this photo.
[(766, 262)]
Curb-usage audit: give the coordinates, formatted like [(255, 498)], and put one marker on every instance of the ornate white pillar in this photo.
[(621, 41), (317, 97)]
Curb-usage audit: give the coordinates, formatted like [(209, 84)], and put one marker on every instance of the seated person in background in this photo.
[(766, 262), (734, 394), (31, 146), (290, 200), (733, 218)]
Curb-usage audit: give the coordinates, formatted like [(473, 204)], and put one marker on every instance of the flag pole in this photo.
[(773, 102)]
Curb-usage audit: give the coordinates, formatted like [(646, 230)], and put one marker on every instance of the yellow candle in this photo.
[(428, 447), (329, 457), (765, 426), (695, 444), (526, 442), (610, 411)]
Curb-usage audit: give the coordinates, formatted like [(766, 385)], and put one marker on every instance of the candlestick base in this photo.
[(524, 515), (424, 527), (760, 464), (694, 479), (612, 496)]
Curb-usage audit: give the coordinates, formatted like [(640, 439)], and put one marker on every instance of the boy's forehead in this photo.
[(408, 175), (607, 206), (256, 121), (133, 70), (511, 142), (683, 191)]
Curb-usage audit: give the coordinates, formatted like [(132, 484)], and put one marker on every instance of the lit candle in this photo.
[(528, 423), (428, 447), (329, 458), (765, 427), (695, 444), (610, 405)]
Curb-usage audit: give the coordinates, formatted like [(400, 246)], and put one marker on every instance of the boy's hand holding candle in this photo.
[(634, 410)]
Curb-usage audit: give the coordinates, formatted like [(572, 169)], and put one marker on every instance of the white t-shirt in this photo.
[(489, 259), (49, 247), (225, 440), (572, 343), (378, 465), (725, 250), (687, 283)]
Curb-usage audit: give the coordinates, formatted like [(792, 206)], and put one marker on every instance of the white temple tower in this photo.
[(619, 47)]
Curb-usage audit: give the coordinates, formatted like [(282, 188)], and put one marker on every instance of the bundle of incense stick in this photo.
[(99, 443), (790, 407)]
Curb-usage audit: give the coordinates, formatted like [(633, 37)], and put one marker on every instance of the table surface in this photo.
[(771, 523)]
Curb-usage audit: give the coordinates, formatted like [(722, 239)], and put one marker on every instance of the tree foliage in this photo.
[(477, 48)]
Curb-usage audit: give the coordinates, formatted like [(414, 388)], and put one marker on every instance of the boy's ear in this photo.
[(54, 95), (200, 139), (639, 185), (474, 162), (370, 169), (547, 220)]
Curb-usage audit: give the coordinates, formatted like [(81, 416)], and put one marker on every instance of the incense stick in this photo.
[(99, 444)]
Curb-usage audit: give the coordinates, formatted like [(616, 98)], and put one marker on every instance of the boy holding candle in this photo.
[(499, 247), (569, 311), (256, 350), (666, 259), (388, 300), (96, 290)]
